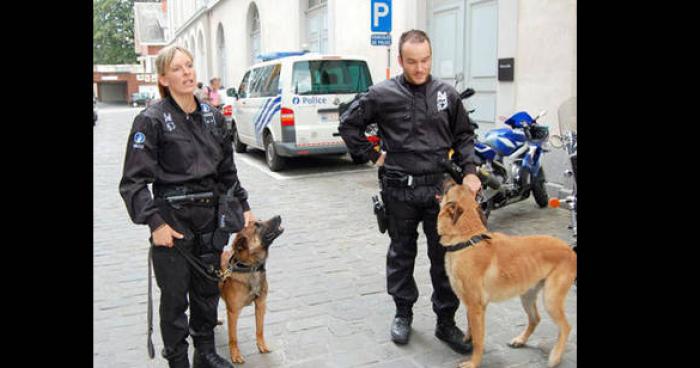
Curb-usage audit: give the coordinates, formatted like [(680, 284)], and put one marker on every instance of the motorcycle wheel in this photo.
[(538, 189)]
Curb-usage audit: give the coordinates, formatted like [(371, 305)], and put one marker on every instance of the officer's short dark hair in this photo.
[(414, 36)]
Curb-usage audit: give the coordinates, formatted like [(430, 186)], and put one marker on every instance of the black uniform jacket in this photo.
[(170, 148), (417, 124)]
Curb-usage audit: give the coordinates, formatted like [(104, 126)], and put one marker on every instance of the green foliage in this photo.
[(113, 37)]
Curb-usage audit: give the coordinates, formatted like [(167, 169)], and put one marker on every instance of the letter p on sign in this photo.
[(381, 16)]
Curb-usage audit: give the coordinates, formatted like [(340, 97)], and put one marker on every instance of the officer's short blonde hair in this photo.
[(165, 57)]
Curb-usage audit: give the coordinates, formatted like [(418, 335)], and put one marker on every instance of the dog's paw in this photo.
[(467, 364), (517, 342), (262, 347), (236, 357)]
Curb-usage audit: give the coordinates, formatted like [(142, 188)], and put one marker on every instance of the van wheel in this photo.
[(274, 161), (237, 144)]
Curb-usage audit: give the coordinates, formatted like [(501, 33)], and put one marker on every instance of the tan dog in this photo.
[(500, 268), (246, 281)]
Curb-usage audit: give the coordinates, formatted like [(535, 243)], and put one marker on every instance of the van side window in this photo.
[(256, 81), (243, 88), (272, 81)]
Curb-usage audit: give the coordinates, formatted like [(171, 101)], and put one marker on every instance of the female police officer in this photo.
[(180, 146)]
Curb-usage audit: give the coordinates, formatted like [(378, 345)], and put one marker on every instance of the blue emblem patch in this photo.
[(295, 100), (139, 138), (205, 108)]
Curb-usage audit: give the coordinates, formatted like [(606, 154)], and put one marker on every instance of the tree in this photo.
[(113, 36)]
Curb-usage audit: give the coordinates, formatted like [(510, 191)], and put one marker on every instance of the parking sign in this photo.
[(381, 16)]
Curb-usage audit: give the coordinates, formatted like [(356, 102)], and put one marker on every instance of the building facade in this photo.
[(516, 54), (535, 39)]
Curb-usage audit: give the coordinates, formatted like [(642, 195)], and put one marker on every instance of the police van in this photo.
[(287, 105)]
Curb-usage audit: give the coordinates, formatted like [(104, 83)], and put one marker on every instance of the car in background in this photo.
[(141, 99)]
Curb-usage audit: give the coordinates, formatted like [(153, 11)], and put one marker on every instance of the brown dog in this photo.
[(501, 267), (245, 281)]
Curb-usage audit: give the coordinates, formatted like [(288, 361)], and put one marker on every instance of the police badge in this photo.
[(441, 101), (169, 123)]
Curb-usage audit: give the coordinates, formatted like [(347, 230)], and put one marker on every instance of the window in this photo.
[(330, 76), (317, 26), (221, 52), (243, 88), (270, 83), (254, 33)]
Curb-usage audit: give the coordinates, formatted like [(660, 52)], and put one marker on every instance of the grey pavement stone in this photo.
[(327, 304)]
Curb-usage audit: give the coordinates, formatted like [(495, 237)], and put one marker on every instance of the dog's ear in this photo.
[(240, 244), (456, 212)]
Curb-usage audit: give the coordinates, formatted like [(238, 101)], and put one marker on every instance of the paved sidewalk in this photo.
[(327, 305)]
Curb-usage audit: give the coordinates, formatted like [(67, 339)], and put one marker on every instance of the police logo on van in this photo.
[(295, 100), (441, 101)]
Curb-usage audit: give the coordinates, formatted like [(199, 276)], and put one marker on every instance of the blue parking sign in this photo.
[(381, 16)]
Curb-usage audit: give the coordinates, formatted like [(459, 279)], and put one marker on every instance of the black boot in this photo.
[(208, 358), (401, 329), (453, 336), (179, 363)]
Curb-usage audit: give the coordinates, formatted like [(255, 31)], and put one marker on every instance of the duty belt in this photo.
[(411, 181)]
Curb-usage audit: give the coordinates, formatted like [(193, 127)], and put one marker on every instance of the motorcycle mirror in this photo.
[(541, 114), (556, 141)]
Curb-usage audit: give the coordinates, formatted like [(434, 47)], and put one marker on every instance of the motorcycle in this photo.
[(510, 167), (567, 141)]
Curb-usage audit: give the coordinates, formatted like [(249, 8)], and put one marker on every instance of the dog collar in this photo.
[(242, 267), (470, 242)]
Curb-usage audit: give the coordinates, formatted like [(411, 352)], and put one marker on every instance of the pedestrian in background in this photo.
[(213, 92)]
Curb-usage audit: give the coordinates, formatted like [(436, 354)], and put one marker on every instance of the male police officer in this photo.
[(420, 119)]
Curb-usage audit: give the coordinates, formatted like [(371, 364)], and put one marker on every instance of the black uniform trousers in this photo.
[(177, 280), (406, 208)]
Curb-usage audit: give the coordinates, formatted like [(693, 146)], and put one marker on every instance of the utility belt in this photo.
[(395, 179), (180, 195)]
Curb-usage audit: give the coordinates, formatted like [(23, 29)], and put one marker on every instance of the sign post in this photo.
[(380, 20)]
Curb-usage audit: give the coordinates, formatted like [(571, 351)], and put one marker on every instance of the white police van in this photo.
[(288, 105)]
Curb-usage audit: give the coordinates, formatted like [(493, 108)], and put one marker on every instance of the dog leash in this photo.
[(199, 267), (149, 344)]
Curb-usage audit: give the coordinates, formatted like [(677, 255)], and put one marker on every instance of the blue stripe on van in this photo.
[(261, 112), (266, 116)]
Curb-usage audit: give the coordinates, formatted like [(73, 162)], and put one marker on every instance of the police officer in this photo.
[(181, 146), (420, 119)]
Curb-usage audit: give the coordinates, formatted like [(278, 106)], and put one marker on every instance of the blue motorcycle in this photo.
[(511, 166)]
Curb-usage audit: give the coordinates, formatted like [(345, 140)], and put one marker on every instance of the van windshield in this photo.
[(318, 77)]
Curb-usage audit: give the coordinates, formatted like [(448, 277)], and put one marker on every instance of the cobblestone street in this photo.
[(327, 304)]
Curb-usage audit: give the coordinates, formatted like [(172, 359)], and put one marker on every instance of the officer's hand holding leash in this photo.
[(163, 236), (380, 160), (472, 182)]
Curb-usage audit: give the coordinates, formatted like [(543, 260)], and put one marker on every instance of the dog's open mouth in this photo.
[(273, 230)]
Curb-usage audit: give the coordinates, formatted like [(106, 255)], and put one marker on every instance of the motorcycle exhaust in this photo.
[(489, 179)]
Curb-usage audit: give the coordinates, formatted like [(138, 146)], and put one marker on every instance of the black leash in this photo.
[(151, 350), (199, 266)]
